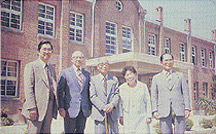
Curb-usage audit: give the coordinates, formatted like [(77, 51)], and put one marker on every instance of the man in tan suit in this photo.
[(40, 83)]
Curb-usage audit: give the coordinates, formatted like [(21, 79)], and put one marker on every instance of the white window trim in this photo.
[(11, 78), (75, 27), (203, 57), (131, 39), (10, 11), (121, 5), (47, 20), (211, 63), (196, 91), (165, 45), (193, 54), (182, 53), (205, 88), (112, 35), (153, 45)]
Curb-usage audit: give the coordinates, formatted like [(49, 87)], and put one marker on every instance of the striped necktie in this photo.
[(80, 78), (105, 84)]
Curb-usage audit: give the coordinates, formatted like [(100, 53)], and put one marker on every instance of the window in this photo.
[(126, 39), (167, 45), (46, 19), (111, 38), (76, 27), (196, 92), (11, 14), (182, 52), (193, 53), (9, 78), (202, 53), (205, 88), (152, 44), (211, 59), (119, 5)]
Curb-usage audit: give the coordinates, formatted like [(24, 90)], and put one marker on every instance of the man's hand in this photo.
[(156, 116), (62, 112), (187, 114), (108, 108), (33, 114), (121, 120), (148, 120)]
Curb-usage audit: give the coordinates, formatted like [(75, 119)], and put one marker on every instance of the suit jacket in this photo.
[(162, 95), (70, 96), (37, 89), (100, 99)]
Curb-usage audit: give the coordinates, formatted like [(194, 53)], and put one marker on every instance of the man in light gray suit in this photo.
[(170, 97), (104, 95), (40, 89), (73, 95)]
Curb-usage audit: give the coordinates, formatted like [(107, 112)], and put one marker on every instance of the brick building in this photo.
[(116, 30)]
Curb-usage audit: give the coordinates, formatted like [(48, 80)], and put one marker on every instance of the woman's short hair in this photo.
[(126, 68)]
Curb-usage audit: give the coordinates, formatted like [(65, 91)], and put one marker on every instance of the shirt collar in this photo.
[(102, 77), (165, 72), (43, 64), (76, 68)]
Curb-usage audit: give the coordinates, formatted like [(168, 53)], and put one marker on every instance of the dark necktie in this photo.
[(51, 92)]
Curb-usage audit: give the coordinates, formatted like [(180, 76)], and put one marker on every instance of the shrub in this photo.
[(157, 128), (188, 124), (205, 123), (208, 105), (214, 121), (6, 121)]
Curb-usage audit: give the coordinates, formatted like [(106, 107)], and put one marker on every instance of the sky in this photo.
[(201, 12)]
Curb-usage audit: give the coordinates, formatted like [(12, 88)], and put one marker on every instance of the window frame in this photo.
[(203, 58), (111, 36), (6, 78), (196, 91), (47, 20), (211, 59), (193, 55), (77, 27), (205, 89), (152, 42), (10, 11), (127, 39), (119, 6), (167, 45)]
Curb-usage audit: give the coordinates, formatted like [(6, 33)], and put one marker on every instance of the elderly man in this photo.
[(104, 95), (73, 95), (170, 97)]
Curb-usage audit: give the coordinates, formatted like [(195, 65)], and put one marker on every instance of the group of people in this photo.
[(76, 96)]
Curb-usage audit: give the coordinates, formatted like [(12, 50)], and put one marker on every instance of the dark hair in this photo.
[(161, 57), (131, 68), (44, 42)]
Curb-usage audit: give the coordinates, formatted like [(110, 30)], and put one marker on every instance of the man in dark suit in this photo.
[(170, 97), (40, 84), (73, 95)]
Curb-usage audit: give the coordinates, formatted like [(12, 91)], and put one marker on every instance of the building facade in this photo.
[(116, 30)]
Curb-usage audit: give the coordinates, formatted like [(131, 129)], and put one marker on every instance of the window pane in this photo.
[(16, 5), (5, 4), (3, 87), (11, 88)]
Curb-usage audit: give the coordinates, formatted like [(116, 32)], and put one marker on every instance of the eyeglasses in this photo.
[(47, 50), (77, 57)]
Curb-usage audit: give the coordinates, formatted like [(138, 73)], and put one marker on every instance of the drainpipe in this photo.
[(93, 28), (144, 23)]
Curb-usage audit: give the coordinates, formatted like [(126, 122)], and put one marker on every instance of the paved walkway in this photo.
[(58, 127)]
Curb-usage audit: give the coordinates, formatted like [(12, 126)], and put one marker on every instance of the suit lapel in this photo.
[(175, 77), (73, 76), (109, 85), (84, 79), (40, 71), (164, 80)]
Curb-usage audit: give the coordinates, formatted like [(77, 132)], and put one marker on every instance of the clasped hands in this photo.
[(187, 114)]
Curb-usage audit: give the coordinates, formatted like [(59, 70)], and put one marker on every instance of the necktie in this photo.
[(51, 92), (79, 77), (105, 84), (168, 76)]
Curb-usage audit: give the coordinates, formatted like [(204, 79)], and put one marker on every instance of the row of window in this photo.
[(204, 90), (182, 51)]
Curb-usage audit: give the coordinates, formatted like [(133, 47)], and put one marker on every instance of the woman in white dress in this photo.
[(135, 104)]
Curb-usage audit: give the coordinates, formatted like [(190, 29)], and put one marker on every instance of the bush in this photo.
[(205, 123), (188, 124), (214, 121), (208, 105), (157, 128), (6, 121)]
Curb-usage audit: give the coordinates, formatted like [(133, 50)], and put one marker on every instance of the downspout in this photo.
[(93, 28), (60, 40), (215, 58), (144, 23)]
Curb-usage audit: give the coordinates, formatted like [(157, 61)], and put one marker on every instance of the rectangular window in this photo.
[(167, 45), (152, 44), (182, 52), (211, 59), (126, 39), (9, 78), (205, 89), (193, 53), (11, 14), (196, 91), (46, 20), (111, 37), (202, 55), (76, 27)]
